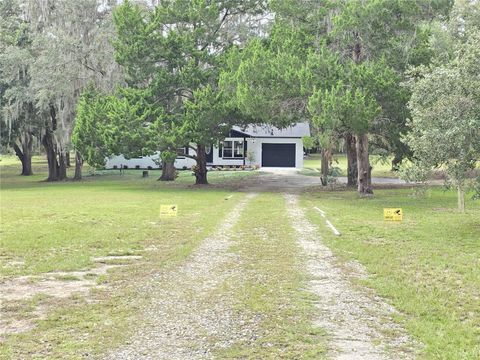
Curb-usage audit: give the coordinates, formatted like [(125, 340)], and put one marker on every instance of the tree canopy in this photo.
[(445, 104)]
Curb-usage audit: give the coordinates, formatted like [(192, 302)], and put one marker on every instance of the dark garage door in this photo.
[(278, 155)]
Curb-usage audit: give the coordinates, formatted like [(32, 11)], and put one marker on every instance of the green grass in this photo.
[(274, 288), (60, 226), (380, 167), (427, 266)]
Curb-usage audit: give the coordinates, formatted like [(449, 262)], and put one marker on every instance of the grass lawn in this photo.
[(381, 168), (428, 266), (60, 226)]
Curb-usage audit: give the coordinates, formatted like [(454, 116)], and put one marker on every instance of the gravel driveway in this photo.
[(187, 318), (190, 317)]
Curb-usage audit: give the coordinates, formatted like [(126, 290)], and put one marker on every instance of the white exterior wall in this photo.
[(253, 145), (143, 162), (146, 161), (185, 162)]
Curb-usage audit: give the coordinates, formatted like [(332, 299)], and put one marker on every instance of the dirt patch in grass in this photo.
[(55, 284), (26, 299), (116, 259)]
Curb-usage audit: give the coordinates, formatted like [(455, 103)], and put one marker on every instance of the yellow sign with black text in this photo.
[(393, 214), (168, 211)]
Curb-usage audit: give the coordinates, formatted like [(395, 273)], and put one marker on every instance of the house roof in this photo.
[(297, 130)]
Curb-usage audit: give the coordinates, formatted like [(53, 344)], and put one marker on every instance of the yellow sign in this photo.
[(167, 211), (393, 214)]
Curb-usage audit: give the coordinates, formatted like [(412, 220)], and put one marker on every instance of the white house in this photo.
[(260, 145)]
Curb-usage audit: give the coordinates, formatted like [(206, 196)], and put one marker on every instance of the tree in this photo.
[(19, 118), (377, 31), (49, 52), (346, 107), (90, 124), (172, 55), (71, 49), (445, 105), (268, 79), (122, 123)]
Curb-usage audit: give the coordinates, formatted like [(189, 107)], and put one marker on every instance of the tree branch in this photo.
[(222, 21)]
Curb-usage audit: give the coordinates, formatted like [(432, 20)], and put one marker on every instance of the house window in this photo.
[(227, 149), (238, 149), (232, 149)]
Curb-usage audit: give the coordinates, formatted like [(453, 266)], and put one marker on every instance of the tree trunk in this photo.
[(363, 164), (352, 170), (201, 168), (27, 146), (461, 198), (397, 159), (48, 142), (20, 156), (67, 157), (169, 173), (78, 166), (324, 167), (51, 151), (62, 165), (25, 153)]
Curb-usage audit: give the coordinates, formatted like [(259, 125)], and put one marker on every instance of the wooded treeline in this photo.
[(400, 77)]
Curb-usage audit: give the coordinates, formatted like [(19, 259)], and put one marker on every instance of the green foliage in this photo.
[(390, 34), (383, 28), (308, 142), (17, 112), (309, 52), (476, 189), (343, 108), (87, 136), (121, 123), (445, 123), (206, 116), (263, 83), (173, 55), (321, 70)]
